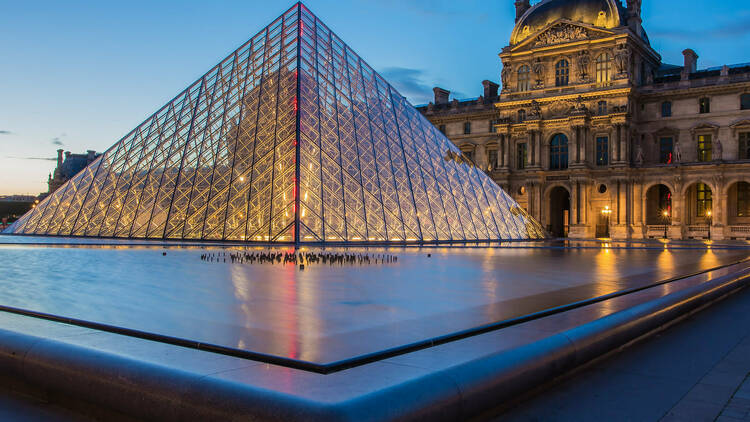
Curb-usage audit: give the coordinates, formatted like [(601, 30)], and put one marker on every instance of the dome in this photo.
[(601, 13)]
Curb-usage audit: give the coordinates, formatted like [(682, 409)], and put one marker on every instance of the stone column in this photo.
[(616, 145), (576, 145), (530, 149), (624, 141), (538, 158), (506, 151)]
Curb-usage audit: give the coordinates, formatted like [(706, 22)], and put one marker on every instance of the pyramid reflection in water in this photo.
[(292, 138)]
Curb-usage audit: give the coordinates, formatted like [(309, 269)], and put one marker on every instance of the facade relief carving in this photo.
[(583, 64), (622, 61), (559, 34), (538, 68)]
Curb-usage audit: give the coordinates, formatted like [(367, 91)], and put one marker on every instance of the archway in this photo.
[(559, 211), (658, 206), (699, 204), (738, 203)]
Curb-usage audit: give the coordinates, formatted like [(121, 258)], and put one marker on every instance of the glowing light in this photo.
[(242, 178)]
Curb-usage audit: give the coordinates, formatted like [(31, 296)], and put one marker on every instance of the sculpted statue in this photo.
[(639, 155), (538, 68), (622, 61), (583, 61), (718, 150), (580, 106), (536, 111), (677, 152), (505, 76)]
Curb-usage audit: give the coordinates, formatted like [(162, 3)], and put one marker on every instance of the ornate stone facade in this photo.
[(596, 137)]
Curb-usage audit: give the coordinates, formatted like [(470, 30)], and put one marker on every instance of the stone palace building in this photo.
[(596, 137)]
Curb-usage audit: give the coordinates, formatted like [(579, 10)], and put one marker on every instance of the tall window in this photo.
[(703, 199), (492, 156), (524, 78), (666, 150), (603, 67), (666, 109), (562, 73), (602, 151), (704, 105), (745, 102), (704, 148), (602, 108), (745, 146), (467, 128), (558, 152), (442, 129), (493, 129), (521, 156), (743, 199), (521, 116)]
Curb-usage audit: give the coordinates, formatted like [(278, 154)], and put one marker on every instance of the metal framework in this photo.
[(293, 138)]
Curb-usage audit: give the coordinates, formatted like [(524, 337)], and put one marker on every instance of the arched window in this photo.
[(703, 200), (603, 68), (743, 199), (524, 76), (558, 152), (562, 73), (521, 116), (745, 102)]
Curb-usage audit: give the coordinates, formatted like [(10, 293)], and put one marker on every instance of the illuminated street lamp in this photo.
[(665, 214), (606, 212), (708, 218)]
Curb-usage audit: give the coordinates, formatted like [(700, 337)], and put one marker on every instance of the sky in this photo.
[(80, 74)]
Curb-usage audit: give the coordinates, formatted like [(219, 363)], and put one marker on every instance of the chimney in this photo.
[(90, 155), (691, 61), (490, 89), (441, 95), (634, 8), (59, 157), (521, 7)]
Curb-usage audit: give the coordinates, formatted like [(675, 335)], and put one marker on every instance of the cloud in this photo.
[(6, 132), (57, 140), (409, 82), (32, 158)]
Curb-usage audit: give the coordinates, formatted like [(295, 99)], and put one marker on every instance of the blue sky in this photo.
[(80, 74)]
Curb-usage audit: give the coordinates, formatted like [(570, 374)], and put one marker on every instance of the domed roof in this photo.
[(601, 13)]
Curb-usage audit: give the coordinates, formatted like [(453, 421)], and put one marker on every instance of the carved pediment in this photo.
[(561, 32)]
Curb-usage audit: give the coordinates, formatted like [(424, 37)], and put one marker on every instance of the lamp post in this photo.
[(665, 214), (606, 212), (708, 219)]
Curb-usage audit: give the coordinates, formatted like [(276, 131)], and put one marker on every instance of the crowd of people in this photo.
[(299, 258)]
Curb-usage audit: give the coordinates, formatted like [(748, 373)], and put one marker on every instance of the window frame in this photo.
[(743, 139), (666, 109), (662, 158), (705, 148), (602, 151), (522, 155), (704, 105), (744, 101), (467, 128), (558, 152), (604, 68), (521, 115), (743, 199), (703, 199), (602, 108), (562, 73)]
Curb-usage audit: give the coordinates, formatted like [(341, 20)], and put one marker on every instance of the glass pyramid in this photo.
[(292, 138)]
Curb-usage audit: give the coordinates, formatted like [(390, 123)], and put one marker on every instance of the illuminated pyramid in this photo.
[(292, 138)]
